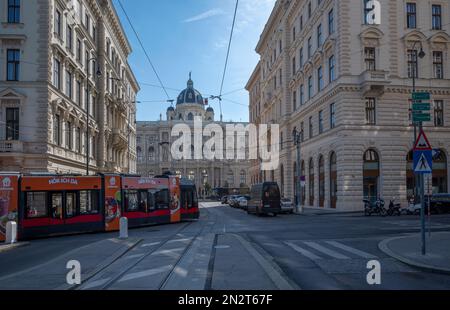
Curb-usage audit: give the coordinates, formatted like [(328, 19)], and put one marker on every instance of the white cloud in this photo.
[(204, 15)]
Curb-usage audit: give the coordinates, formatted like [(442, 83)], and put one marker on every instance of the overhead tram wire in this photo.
[(145, 51), (226, 61)]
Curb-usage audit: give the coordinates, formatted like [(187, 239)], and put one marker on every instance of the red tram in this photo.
[(47, 205)]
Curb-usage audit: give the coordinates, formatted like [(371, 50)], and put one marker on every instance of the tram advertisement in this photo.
[(8, 202), (113, 199), (174, 189)]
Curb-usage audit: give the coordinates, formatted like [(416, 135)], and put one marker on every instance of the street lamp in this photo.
[(297, 137), (98, 74)]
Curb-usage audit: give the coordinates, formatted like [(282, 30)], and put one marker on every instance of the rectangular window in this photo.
[(94, 34), (78, 139), (69, 83), (302, 132), (331, 22), (311, 128), (319, 36), (13, 64), (439, 113), (331, 69), (438, 65), (310, 87), (36, 205), (78, 94), (293, 34), (69, 136), (56, 201), (161, 198), (294, 100), (87, 22), (411, 12), (412, 64), (58, 22), (78, 50), (370, 111), (332, 115), (89, 202), (57, 74), (437, 17), (12, 124), (294, 66), (309, 10), (319, 79), (369, 58), (69, 38), (309, 47), (57, 130), (71, 204), (301, 57), (13, 11), (86, 62), (301, 23), (320, 122), (302, 95)]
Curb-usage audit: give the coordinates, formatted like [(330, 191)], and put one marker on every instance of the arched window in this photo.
[(333, 180), (190, 117), (139, 154), (439, 172), (371, 174), (151, 153), (311, 182), (191, 175), (321, 182)]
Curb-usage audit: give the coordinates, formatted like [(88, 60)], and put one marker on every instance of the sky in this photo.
[(192, 35)]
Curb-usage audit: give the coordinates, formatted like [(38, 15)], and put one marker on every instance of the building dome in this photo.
[(209, 109), (190, 95), (170, 109)]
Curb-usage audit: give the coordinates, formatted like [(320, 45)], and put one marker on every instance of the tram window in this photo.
[(131, 201), (151, 202), (36, 204), (89, 203), (189, 198), (195, 198), (71, 204), (162, 199), (56, 205), (143, 201)]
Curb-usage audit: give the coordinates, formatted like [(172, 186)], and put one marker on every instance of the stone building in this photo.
[(154, 142), (344, 83), (56, 57)]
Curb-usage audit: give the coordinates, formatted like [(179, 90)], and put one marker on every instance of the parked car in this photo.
[(242, 202), (440, 203), (265, 199), (287, 206), (232, 200), (224, 199)]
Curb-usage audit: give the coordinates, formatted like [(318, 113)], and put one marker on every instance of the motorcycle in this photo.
[(376, 207), (394, 208)]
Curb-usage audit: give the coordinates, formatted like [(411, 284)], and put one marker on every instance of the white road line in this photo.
[(150, 244), (95, 283), (179, 240), (351, 250), (145, 273), (134, 256), (325, 250), (302, 251)]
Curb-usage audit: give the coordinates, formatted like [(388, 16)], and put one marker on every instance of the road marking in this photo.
[(302, 251), (146, 245), (95, 283), (134, 256), (351, 250), (145, 273), (179, 240), (325, 250)]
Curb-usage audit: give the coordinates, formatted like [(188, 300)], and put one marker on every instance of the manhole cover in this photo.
[(222, 247)]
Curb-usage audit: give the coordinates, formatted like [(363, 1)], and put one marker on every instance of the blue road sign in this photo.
[(423, 162)]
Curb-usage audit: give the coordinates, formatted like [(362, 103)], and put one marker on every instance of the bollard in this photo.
[(123, 228), (11, 232)]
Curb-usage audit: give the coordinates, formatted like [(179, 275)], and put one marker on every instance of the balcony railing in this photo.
[(11, 146)]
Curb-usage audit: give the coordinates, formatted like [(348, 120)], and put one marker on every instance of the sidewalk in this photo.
[(322, 211), (407, 249), (6, 247)]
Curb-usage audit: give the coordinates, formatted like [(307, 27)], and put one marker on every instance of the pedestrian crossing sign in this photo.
[(423, 162)]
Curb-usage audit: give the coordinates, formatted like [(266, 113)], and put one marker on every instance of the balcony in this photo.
[(373, 81), (11, 147), (120, 139)]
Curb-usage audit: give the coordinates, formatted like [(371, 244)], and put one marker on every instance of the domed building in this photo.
[(154, 143)]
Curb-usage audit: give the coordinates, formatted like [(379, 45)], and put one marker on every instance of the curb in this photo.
[(383, 246), (9, 247)]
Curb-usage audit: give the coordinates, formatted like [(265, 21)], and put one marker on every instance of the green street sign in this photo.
[(421, 106), (421, 96), (421, 117)]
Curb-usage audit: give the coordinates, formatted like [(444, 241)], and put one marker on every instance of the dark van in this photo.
[(265, 199)]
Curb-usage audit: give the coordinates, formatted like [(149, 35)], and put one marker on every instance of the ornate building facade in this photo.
[(345, 85), (154, 142), (67, 92)]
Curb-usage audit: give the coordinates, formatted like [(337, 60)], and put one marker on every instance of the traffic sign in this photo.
[(421, 96), (421, 106), (421, 117), (423, 162), (422, 143)]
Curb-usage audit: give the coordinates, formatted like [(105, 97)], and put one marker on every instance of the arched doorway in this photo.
[(333, 180), (321, 182), (311, 182), (303, 188), (410, 176), (439, 172), (371, 174), (295, 183)]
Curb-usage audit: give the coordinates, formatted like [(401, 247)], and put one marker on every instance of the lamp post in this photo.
[(296, 136), (419, 183), (98, 74)]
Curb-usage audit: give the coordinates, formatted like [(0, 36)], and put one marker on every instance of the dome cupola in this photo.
[(190, 95)]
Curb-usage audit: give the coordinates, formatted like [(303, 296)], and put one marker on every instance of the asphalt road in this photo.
[(228, 249)]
